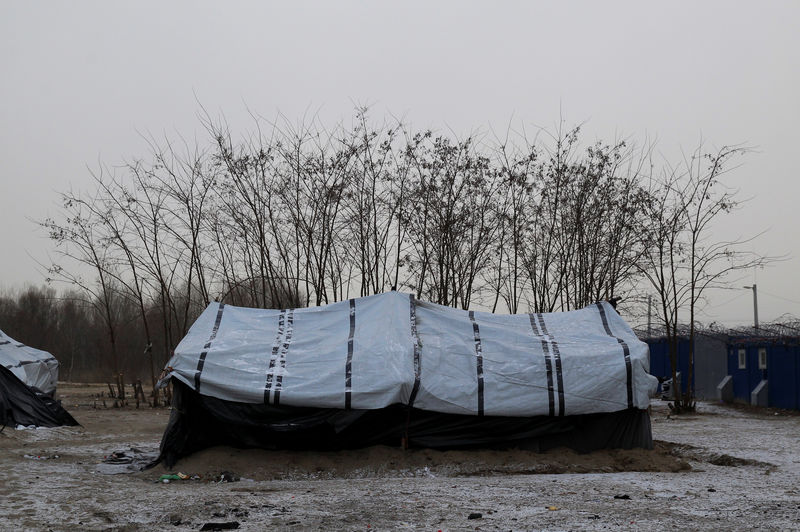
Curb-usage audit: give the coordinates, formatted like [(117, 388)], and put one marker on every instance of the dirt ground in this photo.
[(724, 468)]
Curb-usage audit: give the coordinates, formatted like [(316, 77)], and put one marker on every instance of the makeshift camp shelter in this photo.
[(28, 380), (388, 368)]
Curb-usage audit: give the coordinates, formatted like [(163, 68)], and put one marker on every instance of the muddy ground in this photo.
[(723, 469)]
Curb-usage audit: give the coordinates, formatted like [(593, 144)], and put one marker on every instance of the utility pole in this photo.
[(649, 316), (755, 304)]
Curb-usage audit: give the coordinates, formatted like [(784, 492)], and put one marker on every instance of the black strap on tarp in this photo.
[(548, 363), (476, 332), (348, 368), (274, 356), (556, 354), (202, 360), (625, 351), (287, 340), (412, 304)]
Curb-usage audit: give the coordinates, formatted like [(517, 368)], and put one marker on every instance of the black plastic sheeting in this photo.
[(198, 422), (23, 405)]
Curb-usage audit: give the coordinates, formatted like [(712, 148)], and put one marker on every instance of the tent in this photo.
[(28, 380), (390, 369)]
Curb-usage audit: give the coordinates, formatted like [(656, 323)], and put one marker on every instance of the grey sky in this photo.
[(80, 81)]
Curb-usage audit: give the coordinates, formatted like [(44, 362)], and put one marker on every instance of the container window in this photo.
[(742, 359), (762, 358)]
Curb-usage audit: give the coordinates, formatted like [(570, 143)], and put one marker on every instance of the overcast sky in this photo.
[(80, 82)]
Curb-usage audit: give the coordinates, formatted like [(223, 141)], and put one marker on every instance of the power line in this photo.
[(780, 297), (725, 302)]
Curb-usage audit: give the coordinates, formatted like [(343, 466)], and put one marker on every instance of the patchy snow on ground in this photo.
[(724, 468)]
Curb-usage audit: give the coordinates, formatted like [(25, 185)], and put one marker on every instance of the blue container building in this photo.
[(776, 360)]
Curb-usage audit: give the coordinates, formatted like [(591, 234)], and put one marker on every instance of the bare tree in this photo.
[(450, 218), (373, 198), (79, 240), (291, 215), (682, 260)]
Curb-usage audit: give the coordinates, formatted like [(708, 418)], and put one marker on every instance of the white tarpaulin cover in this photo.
[(372, 352), (34, 367)]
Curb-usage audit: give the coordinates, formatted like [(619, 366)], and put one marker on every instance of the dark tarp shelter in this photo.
[(28, 379)]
